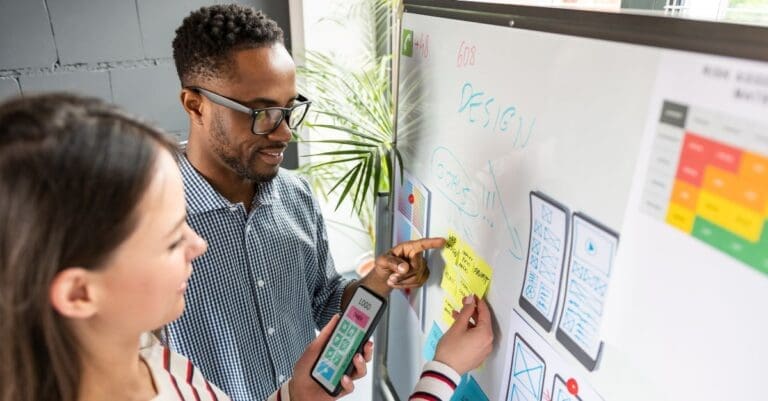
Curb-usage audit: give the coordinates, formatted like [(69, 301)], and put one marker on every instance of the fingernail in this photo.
[(469, 300), (402, 267)]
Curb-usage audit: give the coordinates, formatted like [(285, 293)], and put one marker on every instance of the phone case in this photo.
[(335, 392)]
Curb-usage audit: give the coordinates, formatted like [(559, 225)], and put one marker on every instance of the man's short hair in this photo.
[(207, 39)]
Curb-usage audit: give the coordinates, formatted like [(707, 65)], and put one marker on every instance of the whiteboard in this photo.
[(616, 192)]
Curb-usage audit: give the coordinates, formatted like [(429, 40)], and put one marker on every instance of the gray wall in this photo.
[(117, 50)]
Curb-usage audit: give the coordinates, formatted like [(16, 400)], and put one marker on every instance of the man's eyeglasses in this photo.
[(263, 121)]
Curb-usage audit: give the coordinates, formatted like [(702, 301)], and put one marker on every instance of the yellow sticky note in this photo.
[(465, 272), (448, 309)]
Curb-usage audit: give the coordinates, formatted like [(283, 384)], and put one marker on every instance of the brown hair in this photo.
[(72, 171)]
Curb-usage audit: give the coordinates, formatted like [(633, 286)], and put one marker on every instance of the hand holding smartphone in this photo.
[(357, 323)]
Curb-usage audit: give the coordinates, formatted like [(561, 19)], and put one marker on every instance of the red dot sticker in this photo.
[(573, 387), (411, 199)]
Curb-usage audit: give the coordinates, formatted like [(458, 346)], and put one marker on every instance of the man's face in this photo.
[(261, 77)]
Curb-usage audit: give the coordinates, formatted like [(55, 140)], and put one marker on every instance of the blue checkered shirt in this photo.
[(266, 283)]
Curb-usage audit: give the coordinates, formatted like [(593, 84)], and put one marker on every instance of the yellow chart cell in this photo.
[(731, 216), (680, 217)]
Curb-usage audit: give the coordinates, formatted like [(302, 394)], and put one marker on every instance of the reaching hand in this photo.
[(403, 266), (465, 346)]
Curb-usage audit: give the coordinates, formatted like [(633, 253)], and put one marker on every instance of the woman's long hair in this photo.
[(72, 171)]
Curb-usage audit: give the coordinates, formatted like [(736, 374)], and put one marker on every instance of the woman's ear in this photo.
[(73, 293), (192, 103)]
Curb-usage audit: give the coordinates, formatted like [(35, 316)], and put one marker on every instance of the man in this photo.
[(267, 282)]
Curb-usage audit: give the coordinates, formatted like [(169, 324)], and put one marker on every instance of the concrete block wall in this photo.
[(117, 50)]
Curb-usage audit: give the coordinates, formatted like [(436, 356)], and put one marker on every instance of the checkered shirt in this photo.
[(265, 284)]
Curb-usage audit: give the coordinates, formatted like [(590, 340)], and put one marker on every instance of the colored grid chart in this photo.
[(412, 217), (708, 177)]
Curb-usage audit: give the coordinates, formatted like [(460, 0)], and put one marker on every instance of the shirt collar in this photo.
[(201, 197)]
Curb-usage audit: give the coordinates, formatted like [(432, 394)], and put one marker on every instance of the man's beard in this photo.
[(223, 149)]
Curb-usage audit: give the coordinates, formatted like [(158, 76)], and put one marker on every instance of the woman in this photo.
[(95, 252)]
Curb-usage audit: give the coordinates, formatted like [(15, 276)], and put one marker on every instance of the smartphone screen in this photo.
[(355, 327)]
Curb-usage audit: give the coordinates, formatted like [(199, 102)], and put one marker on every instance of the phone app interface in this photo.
[(346, 338)]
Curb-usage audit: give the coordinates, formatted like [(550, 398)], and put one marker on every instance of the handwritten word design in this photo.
[(485, 111)]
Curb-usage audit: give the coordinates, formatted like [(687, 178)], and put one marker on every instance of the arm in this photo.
[(463, 348), (437, 381), (401, 267)]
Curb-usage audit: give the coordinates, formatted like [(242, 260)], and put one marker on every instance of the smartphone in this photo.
[(348, 338)]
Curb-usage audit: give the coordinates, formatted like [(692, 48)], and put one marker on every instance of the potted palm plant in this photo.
[(351, 120)]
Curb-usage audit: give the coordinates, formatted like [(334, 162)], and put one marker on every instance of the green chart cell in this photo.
[(754, 254)]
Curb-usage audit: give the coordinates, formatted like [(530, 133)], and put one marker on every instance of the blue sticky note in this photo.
[(469, 390), (431, 345)]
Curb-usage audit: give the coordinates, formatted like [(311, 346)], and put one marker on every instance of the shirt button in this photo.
[(247, 229), (233, 208), (260, 283), (281, 378), (270, 331)]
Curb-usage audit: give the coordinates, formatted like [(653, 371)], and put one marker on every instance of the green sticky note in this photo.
[(407, 44)]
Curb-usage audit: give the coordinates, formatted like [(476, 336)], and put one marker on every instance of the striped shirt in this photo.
[(177, 379), (266, 283)]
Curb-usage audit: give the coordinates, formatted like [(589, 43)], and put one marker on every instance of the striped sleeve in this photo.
[(282, 394), (437, 383), (187, 381)]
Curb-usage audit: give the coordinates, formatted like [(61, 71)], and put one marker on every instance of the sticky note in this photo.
[(465, 273), (447, 315), (432, 339)]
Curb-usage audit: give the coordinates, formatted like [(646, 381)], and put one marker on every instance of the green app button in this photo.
[(407, 43)]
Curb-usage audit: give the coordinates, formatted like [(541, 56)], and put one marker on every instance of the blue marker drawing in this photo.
[(517, 248), (455, 185), (453, 181), (481, 108)]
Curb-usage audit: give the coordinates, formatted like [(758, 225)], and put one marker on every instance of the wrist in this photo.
[(376, 284), (446, 360)]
